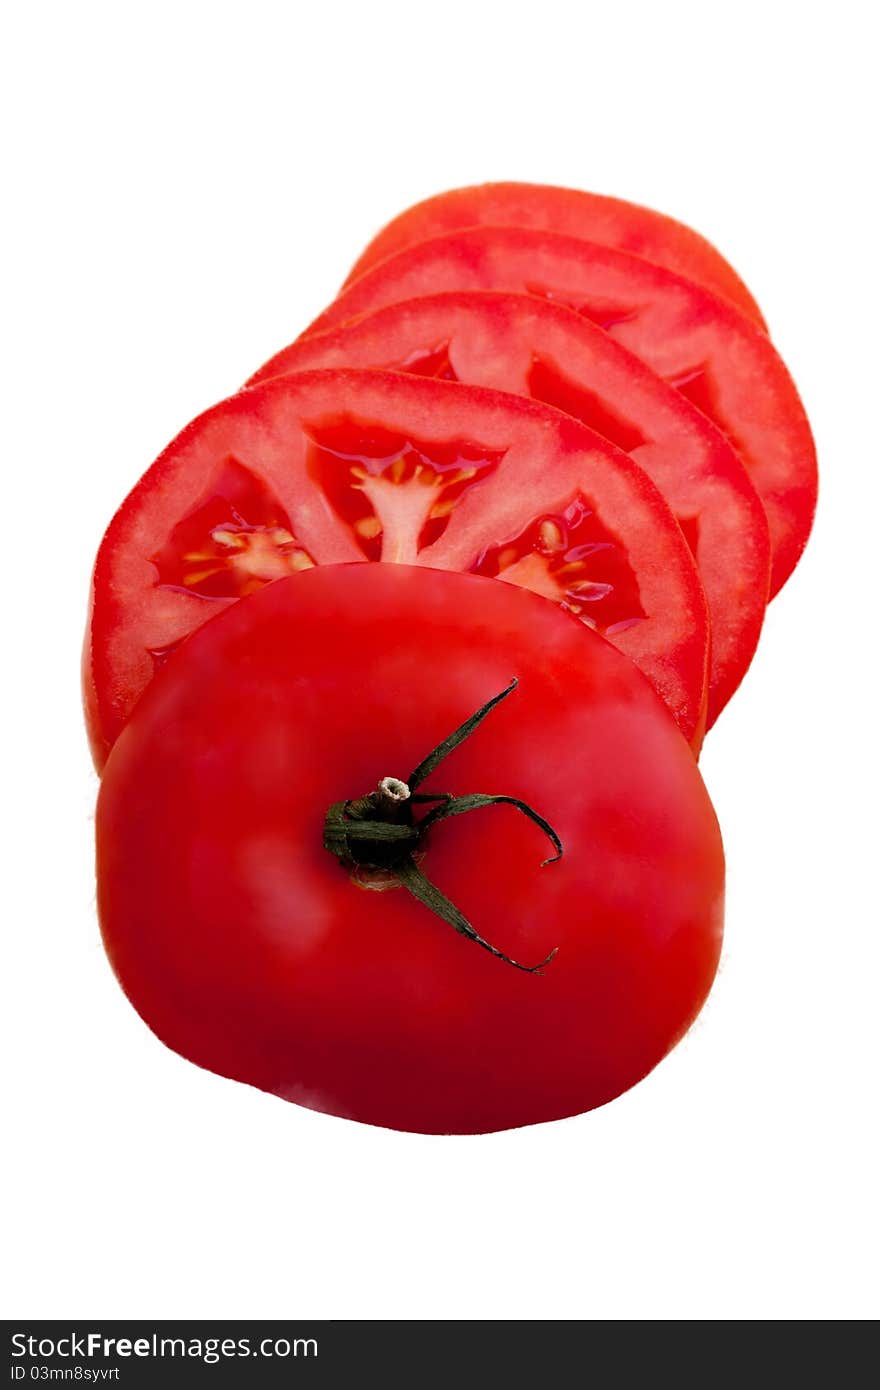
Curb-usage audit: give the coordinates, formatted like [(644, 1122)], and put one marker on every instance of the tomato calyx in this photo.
[(379, 830)]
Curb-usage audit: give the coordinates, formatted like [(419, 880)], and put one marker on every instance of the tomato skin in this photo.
[(496, 339), (546, 456), (694, 340), (589, 216), (246, 947)]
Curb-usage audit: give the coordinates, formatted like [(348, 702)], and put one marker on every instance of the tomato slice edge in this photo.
[(629, 226)]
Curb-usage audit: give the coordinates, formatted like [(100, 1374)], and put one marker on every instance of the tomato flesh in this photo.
[(551, 354), (253, 952), (333, 466), (693, 339), (588, 216)]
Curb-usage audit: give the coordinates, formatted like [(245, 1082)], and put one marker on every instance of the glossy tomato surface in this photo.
[(550, 353), (591, 216), (251, 950), (334, 466), (696, 341)]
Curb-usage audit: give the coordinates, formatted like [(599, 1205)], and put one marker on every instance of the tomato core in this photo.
[(396, 494)]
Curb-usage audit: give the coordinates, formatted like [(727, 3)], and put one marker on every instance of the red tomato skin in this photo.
[(247, 948), (589, 216), (130, 616), (674, 325), (493, 339)]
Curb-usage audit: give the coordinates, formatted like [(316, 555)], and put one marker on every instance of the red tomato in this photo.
[(696, 341), (346, 465), (251, 950), (589, 216), (535, 348)]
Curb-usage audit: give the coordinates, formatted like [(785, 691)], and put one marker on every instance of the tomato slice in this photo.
[(543, 350), (333, 466), (696, 341), (589, 216), (251, 950)]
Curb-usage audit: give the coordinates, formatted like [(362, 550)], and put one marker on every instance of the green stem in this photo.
[(379, 830)]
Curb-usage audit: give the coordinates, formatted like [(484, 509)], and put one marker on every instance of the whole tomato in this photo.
[(261, 933)]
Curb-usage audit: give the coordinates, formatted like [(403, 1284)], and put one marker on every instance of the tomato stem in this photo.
[(379, 830)]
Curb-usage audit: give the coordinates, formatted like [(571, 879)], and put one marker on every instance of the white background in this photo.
[(187, 185)]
